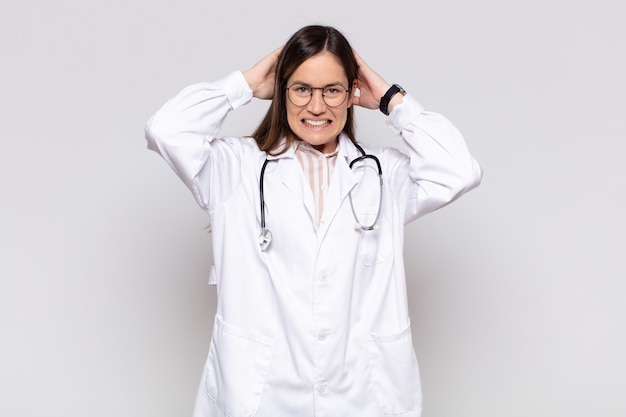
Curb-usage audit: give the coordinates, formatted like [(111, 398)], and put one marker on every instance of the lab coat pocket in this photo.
[(237, 367), (394, 372), (374, 245)]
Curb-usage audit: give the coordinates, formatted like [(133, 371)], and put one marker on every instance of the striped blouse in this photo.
[(318, 169)]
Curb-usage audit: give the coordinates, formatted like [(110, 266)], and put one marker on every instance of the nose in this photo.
[(317, 104)]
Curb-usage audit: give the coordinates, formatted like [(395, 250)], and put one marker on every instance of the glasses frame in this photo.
[(321, 91)]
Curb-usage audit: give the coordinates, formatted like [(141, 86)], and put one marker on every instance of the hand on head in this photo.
[(261, 76), (371, 85)]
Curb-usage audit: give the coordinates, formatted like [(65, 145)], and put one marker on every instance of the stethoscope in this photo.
[(265, 237)]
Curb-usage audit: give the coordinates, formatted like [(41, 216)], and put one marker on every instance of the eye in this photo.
[(302, 90), (332, 91)]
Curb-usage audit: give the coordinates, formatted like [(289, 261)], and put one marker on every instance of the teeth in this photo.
[(316, 123)]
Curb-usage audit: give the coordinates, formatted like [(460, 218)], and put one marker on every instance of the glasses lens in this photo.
[(299, 95), (333, 96)]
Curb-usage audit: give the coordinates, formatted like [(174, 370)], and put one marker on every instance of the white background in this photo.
[(517, 290)]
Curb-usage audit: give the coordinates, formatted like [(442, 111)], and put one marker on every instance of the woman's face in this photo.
[(316, 123)]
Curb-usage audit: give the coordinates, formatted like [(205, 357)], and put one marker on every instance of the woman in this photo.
[(312, 315)]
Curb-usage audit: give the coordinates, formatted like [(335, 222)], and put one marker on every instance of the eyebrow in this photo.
[(327, 85)]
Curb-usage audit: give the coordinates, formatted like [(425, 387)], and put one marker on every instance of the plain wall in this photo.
[(517, 290)]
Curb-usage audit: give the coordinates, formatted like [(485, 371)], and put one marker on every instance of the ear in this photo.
[(353, 92)]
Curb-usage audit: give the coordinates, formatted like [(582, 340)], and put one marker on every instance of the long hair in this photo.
[(305, 43)]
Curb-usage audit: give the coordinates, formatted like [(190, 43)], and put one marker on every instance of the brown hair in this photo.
[(305, 43)]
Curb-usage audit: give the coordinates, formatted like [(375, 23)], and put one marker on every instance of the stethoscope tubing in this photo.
[(261, 193), (265, 237)]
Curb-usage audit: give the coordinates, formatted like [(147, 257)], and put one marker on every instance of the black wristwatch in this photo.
[(384, 101)]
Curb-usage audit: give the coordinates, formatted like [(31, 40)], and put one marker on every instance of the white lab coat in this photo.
[(318, 324)]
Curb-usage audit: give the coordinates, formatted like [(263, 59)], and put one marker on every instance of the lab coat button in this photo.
[(323, 278), (323, 335), (321, 388)]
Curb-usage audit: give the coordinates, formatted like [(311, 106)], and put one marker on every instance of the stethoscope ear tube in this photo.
[(358, 224), (364, 156), (367, 156)]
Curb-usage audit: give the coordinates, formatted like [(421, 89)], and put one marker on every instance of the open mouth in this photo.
[(316, 123)]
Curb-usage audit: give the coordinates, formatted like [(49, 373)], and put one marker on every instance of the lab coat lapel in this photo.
[(342, 182), (294, 181)]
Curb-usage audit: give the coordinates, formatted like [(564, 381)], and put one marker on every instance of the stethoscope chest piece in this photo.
[(265, 238)]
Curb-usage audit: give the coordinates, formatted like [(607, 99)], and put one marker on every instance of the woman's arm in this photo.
[(437, 167), (184, 130)]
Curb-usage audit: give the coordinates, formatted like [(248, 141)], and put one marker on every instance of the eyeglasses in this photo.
[(333, 95)]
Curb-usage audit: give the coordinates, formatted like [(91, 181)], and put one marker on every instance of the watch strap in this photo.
[(384, 101)]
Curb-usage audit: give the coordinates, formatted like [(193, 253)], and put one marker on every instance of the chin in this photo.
[(321, 145)]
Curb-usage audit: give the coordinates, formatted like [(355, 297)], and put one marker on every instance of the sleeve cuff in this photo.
[(236, 88), (404, 113)]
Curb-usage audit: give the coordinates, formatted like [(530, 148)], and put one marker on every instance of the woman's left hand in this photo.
[(371, 87)]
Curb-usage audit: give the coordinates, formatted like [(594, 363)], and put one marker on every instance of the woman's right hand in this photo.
[(261, 77)]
